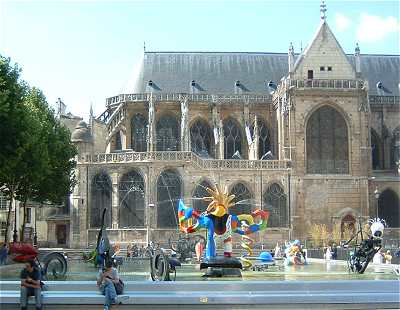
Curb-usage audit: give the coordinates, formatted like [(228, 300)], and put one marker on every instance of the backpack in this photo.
[(119, 287)]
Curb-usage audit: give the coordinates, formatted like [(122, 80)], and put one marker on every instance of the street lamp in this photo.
[(377, 193), (15, 235)]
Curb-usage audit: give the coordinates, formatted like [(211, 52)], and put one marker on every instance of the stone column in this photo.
[(151, 131), (115, 200), (185, 134)]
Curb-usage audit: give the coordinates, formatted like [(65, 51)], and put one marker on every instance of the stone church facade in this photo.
[(309, 137)]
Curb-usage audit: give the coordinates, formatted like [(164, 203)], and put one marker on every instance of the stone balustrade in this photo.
[(333, 84), (381, 100), (188, 157)]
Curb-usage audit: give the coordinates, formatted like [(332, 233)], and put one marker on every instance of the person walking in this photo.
[(30, 285)]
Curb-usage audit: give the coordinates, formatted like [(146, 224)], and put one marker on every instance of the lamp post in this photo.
[(15, 235), (377, 193), (35, 241)]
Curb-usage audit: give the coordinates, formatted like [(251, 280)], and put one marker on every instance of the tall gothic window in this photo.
[(167, 129), (327, 142), (275, 203), (264, 143), (376, 150), (169, 191), (395, 148), (232, 138), (118, 142), (243, 199), (201, 138), (101, 193), (200, 191), (131, 200), (139, 133), (389, 207)]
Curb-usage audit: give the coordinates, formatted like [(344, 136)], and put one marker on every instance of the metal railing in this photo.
[(188, 157)]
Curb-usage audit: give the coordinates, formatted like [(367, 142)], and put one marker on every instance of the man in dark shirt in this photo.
[(30, 285)]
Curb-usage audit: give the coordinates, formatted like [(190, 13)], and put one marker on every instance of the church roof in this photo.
[(218, 72)]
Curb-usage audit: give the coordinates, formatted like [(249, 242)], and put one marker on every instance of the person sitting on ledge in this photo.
[(109, 284), (30, 285)]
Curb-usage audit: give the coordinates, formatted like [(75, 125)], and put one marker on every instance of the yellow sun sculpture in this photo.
[(220, 201)]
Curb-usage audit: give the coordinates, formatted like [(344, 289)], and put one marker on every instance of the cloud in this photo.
[(342, 22), (374, 28)]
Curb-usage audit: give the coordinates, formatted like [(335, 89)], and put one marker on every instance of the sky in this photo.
[(84, 52)]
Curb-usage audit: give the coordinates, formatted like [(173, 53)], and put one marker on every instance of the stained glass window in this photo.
[(167, 131), (327, 142), (376, 150), (243, 199), (101, 199), (389, 207), (275, 202), (169, 191), (139, 133), (131, 200), (200, 191), (395, 149), (232, 138), (201, 138)]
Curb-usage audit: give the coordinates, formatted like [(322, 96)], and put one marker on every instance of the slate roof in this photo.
[(217, 72)]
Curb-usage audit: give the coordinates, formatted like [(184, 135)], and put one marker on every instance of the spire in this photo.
[(91, 109), (144, 46), (357, 60), (291, 57), (323, 10), (357, 50)]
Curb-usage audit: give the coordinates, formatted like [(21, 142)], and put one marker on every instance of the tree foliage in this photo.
[(37, 156)]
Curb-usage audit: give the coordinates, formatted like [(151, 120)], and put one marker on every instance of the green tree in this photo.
[(14, 130)]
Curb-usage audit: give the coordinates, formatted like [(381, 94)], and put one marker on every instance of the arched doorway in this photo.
[(347, 226)]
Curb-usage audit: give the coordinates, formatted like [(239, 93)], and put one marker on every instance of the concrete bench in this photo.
[(296, 294)]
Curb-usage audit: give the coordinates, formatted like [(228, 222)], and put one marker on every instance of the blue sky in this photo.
[(84, 52)]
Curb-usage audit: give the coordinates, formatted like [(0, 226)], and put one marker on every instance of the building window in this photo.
[(327, 142), (139, 133), (101, 199), (264, 140), (395, 148), (376, 150), (275, 202), (329, 68), (232, 139), (169, 191), (201, 138), (321, 68), (200, 191), (28, 215), (118, 143), (167, 130), (131, 200), (243, 199), (389, 208), (3, 202), (310, 74)]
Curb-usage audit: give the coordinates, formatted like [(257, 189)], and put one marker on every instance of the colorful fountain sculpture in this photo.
[(220, 223)]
